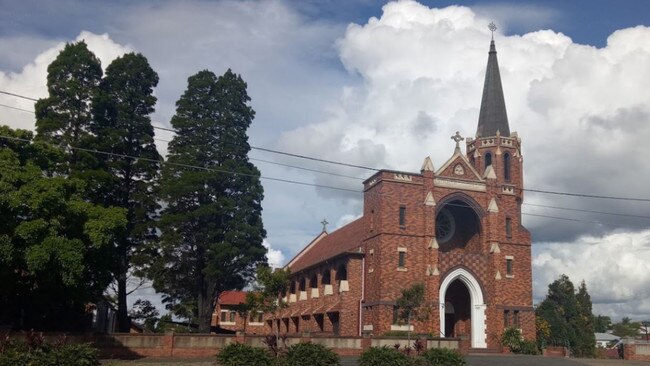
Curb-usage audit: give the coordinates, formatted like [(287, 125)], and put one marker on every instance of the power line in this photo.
[(590, 211), (570, 194), (18, 95), (16, 108), (587, 195), (124, 156)]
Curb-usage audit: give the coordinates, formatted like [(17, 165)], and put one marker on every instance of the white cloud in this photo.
[(615, 268), (275, 256)]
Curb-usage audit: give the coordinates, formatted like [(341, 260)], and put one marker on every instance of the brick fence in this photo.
[(126, 345), (636, 350)]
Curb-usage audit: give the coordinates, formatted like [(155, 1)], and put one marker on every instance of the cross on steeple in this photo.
[(458, 138), (324, 222), (492, 27)]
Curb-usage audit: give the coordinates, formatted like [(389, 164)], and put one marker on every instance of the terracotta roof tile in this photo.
[(326, 245), (232, 297)]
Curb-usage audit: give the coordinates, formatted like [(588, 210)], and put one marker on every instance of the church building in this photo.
[(456, 229)]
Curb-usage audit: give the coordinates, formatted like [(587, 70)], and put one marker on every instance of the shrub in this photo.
[(383, 356), (310, 354), (527, 347), (442, 357), (35, 351), (237, 354), (511, 338)]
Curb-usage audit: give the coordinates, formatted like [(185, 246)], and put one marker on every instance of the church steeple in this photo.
[(493, 116)]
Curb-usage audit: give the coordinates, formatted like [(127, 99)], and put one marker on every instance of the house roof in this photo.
[(606, 337), (328, 245), (232, 297)]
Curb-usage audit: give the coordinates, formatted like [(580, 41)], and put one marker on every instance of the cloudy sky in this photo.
[(385, 85)]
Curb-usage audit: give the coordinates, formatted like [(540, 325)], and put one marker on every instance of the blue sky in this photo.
[(385, 85)]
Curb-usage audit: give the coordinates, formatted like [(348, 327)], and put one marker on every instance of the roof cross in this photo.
[(324, 222), (492, 27), (458, 138)]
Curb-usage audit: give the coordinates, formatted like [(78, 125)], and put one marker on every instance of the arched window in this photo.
[(342, 273), (303, 284), (313, 281), (327, 277), (292, 287), (506, 167), (488, 160)]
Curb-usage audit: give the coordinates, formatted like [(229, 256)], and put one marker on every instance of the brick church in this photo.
[(456, 229)]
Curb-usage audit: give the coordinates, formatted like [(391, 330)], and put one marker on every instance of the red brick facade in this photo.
[(226, 316), (456, 229)]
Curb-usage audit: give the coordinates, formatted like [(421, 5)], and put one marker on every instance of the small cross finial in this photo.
[(458, 138), (492, 27), (324, 222)]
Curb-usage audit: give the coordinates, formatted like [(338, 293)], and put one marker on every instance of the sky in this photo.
[(385, 84)]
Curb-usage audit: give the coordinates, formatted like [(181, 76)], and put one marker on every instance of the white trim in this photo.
[(402, 328), (456, 184), (477, 305), (402, 249)]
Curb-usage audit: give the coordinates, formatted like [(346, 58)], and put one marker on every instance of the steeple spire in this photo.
[(493, 116)]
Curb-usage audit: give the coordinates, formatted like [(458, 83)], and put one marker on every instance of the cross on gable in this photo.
[(324, 222)]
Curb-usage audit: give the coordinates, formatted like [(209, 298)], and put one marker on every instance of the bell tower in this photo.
[(495, 152)]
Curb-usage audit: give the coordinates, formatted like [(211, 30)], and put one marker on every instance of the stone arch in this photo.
[(463, 197), (477, 304)]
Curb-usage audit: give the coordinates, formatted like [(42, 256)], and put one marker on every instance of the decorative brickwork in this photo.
[(456, 229)]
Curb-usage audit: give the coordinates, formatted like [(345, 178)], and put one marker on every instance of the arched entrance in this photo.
[(461, 289)]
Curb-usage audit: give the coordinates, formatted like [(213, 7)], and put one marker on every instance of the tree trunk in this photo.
[(206, 308), (123, 321)]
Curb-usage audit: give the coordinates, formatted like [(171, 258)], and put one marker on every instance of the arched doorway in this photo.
[(461, 289)]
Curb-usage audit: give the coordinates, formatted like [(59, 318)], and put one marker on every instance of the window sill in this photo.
[(256, 324), (402, 269), (227, 323), (510, 276)]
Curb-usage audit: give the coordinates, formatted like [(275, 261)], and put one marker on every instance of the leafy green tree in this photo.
[(602, 323), (626, 328), (211, 226), (122, 127), (145, 314), (64, 116), (568, 314), (410, 305), (270, 286), (586, 339), (55, 247)]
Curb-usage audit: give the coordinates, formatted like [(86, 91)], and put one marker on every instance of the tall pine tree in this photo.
[(64, 116), (211, 226), (122, 126), (584, 323)]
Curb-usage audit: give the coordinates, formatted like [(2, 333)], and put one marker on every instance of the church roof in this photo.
[(493, 116), (328, 245)]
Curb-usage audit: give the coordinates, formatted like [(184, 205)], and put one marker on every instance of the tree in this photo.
[(410, 305), (602, 323), (64, 116), (626, 328), (270, 286), (122, 126), (211, 227), (586, 339), (568, 314), (145, 314), (55, 251)]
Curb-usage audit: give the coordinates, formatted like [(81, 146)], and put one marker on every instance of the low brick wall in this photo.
[(127, 345), (637, 350), (556, 351)]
